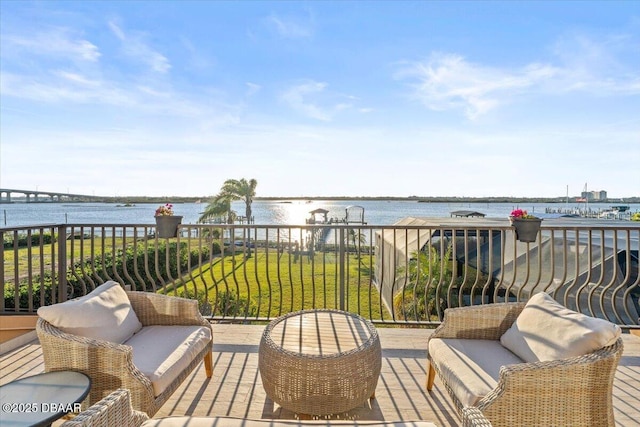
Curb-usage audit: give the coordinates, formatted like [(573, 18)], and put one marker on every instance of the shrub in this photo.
[(24, 238), (115, 265), (228, 304), (421, 298)]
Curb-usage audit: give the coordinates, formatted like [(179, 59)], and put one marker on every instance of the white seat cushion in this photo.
[(470, 367), (242, 422), (163, 352), (546, 330), (104, 314)]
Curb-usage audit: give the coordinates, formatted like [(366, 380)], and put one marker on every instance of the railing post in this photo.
[(341, 268), (2, 280), (62, 263)]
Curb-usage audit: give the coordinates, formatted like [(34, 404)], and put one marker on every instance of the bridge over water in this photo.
[(10, 195)]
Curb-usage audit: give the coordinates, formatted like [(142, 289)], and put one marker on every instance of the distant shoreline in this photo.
[(448, 199), (419, 199)]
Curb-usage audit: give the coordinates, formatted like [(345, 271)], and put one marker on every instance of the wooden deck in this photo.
[(236, 388)]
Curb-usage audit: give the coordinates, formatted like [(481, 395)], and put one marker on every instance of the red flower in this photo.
[(521, 213)]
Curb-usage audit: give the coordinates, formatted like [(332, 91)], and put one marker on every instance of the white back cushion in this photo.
[(105, 314), (546, 330)]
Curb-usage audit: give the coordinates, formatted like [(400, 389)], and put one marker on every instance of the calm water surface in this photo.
[(376, 212)]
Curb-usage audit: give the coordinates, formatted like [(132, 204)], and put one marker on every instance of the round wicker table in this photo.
[(320, 362)]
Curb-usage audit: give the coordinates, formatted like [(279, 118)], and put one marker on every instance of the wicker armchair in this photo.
[(110, 365), (116, 410), (575, 391), (113, 410)]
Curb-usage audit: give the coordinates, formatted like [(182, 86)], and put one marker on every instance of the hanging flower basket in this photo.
[(527, 226), (526, 229), (167, 226), (166, 222)]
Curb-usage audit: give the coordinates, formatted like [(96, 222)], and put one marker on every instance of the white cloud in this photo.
[(62, 86), (608, 65), (311, 99), (135, 47), (297, 98), (196, 60), (77, 78), (448, 81), (154, 92), (252, 88), (54, 42), (290, 27)]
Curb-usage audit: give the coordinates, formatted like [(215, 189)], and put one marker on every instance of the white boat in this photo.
[(616, 212)]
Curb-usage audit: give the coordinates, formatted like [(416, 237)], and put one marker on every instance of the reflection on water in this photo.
[(295, 212), (292, 213)]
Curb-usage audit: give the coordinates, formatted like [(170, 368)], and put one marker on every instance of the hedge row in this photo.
[(114, 267), (23, 239)]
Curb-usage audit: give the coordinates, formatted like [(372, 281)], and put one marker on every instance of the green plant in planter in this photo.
[(526, 225), (422, 298), (166, 222)]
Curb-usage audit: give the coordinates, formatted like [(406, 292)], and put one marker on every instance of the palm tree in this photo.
[(219, 207), (234, 189)]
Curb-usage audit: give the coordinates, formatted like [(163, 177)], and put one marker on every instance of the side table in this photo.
[(320, 362), (41, 399)]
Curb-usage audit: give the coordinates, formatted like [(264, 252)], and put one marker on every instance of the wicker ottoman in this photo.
[(320, 362)]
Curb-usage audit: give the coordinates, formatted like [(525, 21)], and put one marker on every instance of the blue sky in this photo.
[(321, 98)]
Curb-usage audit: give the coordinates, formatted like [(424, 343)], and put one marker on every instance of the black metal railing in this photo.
[(395, 274)]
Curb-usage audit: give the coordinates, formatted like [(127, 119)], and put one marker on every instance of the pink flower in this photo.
[(521, 213), (166, 210), (518, 213)]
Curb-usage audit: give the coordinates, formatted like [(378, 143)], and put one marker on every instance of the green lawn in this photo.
[(275, 283), (267, 284), (38, 259)]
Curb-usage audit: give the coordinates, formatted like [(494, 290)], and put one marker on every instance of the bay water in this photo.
[(266, 212)]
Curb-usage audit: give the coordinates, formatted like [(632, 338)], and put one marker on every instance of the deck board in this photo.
[(236, 387)]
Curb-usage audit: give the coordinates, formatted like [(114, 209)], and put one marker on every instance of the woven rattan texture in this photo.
[(110, 365), (573, 392), (320, 384), (113, 410)]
